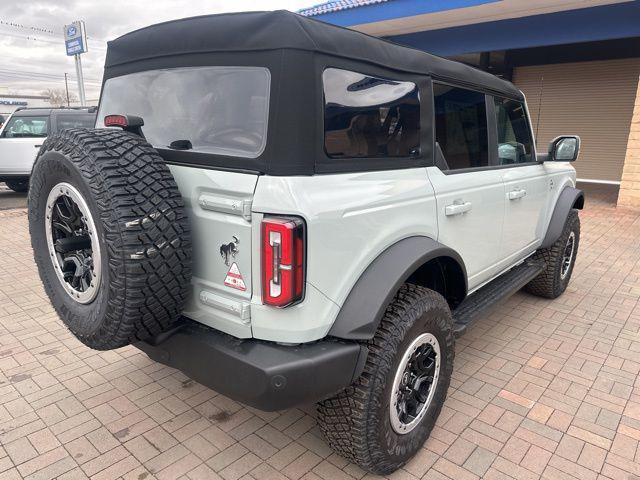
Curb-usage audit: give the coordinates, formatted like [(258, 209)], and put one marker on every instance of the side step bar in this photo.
[(483, 300)]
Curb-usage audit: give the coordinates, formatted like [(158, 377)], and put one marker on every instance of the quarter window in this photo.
[(367, 116), (461, 127), (514, 135)]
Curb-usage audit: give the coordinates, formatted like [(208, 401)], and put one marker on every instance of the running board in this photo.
[(487, 297)]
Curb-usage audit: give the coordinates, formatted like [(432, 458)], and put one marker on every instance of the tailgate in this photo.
[(219, 208)]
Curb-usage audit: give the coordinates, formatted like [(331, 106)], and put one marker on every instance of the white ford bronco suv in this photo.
[(23, 134), (292, 212)]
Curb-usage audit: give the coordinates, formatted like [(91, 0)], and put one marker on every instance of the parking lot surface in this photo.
[(541, 389), (10, 199)]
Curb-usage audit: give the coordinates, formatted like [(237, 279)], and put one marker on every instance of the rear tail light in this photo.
[(129, 123), (116, 121), (282, 260)]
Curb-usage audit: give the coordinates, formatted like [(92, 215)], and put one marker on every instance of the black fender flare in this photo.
[(568, 199), (367, 301)]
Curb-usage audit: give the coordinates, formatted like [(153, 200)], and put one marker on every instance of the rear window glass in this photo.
[(26, 127), (74, 121), (219, 110), (367, 116)]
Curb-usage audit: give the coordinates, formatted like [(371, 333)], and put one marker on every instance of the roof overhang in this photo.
[(599, 23), (398, 17)]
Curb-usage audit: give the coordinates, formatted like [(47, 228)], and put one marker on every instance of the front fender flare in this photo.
[(568, 199), (365, 305)]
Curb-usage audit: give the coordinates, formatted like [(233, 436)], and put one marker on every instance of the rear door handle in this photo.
[(38, 146), (515, 194), (457, 208)]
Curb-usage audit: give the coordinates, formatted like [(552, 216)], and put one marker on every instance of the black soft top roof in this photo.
[(262, 31)]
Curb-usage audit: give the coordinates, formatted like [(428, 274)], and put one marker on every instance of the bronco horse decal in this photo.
[(229, 250)]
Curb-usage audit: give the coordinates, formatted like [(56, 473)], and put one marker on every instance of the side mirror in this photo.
[(564, 148)]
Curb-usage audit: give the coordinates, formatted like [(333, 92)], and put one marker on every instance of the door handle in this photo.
[(38, 146), (515, 194), (457, 209)]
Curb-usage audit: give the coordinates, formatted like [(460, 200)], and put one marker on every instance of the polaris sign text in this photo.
[(75, 38), (16, 103)]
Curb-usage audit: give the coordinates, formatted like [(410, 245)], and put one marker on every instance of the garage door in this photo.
[(591, 99)]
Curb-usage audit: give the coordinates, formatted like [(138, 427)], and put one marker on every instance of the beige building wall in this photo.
[(592, 99), (629, 195)]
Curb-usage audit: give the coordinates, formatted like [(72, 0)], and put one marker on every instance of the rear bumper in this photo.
[(264, 375)]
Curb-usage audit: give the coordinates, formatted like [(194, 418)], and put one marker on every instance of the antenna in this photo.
[(539, 105)]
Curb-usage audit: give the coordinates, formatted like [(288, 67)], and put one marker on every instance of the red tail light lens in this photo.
[(115, 121), (282, 260)]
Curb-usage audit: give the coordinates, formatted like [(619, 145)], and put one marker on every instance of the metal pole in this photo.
[(66, 86), (80, 79)]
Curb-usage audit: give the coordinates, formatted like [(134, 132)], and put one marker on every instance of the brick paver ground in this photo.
[(541, 389), (11, 199)]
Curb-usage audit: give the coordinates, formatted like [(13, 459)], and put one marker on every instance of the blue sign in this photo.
[(75, 38), (75, 46)]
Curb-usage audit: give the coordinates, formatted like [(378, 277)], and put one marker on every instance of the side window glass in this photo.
[(514, 136), (66, 121), (26, 127), (461, 128), (368, 116)]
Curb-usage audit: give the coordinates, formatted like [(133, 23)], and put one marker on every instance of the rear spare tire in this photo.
[(110, 236)]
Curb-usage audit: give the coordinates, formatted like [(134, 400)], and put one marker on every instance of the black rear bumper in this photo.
[(264, 375)]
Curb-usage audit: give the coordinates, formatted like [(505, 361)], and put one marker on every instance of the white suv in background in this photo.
[(23, 133)]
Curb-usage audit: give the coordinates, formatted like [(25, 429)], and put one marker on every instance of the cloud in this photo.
[(32, 44)]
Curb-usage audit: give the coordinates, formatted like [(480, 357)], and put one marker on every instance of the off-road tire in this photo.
[(356, 422), (142, 230), (19, 186), (550, 284)]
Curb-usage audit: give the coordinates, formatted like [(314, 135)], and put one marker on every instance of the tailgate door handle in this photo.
[(515, 194), (457, 208)]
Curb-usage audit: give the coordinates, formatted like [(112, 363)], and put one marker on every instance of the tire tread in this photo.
[(346, 420), (146, 231)]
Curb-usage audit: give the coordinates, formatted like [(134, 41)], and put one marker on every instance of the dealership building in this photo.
[(577, 62)]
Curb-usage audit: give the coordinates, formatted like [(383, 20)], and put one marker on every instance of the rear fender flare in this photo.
[(365, 305)]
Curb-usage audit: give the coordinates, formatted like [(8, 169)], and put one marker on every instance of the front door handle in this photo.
[(515, 194), (38, 146), (457, 209)]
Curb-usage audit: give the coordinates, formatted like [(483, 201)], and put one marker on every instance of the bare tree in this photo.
[(58, 97)]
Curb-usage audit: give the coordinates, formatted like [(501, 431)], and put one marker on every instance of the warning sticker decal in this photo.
[(234, 278)]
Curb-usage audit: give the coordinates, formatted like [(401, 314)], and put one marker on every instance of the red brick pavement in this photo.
[(541, 389)]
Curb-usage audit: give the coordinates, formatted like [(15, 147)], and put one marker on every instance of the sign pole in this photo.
[(80, 78), (75, 40), (66, 87)]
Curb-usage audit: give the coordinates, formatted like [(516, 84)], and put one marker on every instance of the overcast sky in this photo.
[(32, 44)]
